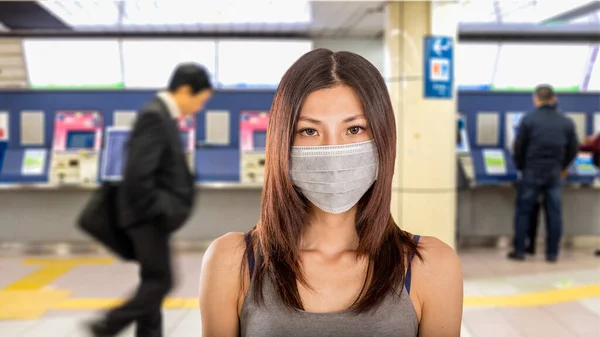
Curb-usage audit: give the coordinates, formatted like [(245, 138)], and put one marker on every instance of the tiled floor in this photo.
[(52, 297)]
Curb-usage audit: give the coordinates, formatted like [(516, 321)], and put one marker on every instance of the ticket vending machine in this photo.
[(253, 139), (76, 147)]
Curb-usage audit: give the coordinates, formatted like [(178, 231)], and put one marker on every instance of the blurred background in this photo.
[(98, 61)]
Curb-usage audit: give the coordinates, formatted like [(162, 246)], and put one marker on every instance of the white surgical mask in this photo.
[(334, 177)]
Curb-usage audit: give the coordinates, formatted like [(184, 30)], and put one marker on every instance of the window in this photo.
[(150, 63), (257, 64), (524, 66), (475, 65), (92, 64)]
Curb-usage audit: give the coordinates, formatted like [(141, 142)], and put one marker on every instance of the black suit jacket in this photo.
[(157, 187)]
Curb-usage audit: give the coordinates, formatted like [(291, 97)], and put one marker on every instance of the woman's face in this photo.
[(332, 117)]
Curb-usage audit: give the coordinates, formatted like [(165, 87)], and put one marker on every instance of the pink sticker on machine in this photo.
[(77, 130), (253, 130)]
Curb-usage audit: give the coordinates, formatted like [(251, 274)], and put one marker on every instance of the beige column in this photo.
[(423, 193)]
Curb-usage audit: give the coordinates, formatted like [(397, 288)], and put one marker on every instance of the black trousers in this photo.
[(152, 251)]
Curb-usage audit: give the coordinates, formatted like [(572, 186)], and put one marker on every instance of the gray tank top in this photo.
[(394, 317)]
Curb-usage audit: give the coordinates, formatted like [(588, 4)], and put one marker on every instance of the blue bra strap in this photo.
[(249, 252), (409, 270)]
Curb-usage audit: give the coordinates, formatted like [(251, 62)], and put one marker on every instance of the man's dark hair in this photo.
[(544, 92), (192, 74)]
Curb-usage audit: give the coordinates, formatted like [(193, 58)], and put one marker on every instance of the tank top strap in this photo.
[(250, 253), (409, 269)]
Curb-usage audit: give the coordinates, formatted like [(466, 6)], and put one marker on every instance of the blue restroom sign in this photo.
[(438, 66)]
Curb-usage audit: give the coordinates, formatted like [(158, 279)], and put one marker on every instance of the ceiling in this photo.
[(267, 17)]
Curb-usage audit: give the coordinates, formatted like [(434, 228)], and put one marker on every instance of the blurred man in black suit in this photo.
[(156, 197)]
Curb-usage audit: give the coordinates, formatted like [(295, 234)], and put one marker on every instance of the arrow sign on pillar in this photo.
[(439, 46), (438, 67)]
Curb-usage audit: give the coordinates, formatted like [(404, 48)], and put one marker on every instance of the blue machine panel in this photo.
[(13, 165), (485, 177), (3, 147)]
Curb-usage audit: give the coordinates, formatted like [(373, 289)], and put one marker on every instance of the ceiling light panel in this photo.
[(84, 13), (185, 12)]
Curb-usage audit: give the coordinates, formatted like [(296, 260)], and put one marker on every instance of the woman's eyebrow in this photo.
[(316, 121), (309, 119), (353, 118)]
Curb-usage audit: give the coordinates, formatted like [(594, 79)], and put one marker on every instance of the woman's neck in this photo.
[(330, 233)]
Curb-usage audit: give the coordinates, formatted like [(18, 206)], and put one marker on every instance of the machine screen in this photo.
[(259, 139), (462, 140), (584, 165), (81, 140), (115, 153)]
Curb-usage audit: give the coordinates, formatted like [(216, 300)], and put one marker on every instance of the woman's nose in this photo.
[(333, 137)]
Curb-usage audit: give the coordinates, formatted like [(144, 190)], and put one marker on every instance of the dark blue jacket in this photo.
[(546, 141)]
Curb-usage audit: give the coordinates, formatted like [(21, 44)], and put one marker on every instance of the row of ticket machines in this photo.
[(489, 162), (84, 152)]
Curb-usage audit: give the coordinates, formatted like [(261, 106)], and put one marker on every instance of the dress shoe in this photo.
[(98, 329), (552, 259), (515, 256)]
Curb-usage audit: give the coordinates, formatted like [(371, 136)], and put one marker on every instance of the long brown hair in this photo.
[(277, 235)]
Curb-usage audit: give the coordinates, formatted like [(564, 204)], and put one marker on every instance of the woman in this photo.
[(326, 258)]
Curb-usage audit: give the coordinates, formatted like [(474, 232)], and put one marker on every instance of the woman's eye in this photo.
[(355, 130), (309, 132)]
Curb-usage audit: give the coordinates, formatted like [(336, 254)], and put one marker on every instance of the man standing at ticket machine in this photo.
[(545, 146), (156, 197)]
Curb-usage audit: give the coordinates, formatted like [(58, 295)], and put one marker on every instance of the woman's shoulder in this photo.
[(224, 255), (439, 262), (228, 246), (220, 280)]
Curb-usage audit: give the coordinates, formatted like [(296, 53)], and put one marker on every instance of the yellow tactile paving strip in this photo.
[(50, 270), (30, 298), (535, 299)]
